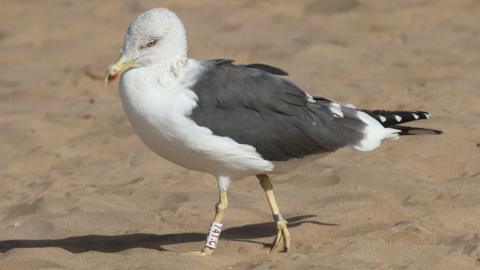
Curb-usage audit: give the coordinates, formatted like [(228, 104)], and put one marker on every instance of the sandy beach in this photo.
[(79, 190)]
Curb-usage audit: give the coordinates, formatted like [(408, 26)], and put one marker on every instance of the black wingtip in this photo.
[(406, 130), (390, 118)]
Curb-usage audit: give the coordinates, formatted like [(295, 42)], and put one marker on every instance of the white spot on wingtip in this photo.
[(415, 116), (427, 115), (398, 118), (382, 118)]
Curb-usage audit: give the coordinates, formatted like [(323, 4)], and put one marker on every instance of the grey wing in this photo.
[(253, 106)]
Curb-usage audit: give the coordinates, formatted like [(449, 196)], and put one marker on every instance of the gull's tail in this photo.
[(393, 119)]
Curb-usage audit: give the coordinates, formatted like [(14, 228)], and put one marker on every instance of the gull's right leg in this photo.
[(216, 226)]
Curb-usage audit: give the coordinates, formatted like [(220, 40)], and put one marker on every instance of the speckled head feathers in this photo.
[(155, 35)]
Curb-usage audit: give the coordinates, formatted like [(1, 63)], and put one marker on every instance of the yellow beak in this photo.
[(116, 69)]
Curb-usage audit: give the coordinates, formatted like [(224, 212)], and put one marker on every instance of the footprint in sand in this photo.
[(25, 208)]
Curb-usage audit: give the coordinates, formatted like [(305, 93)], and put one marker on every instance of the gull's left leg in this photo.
[(282, 240), (216, 226)]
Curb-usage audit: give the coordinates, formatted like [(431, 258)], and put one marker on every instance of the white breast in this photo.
[(158, 110)]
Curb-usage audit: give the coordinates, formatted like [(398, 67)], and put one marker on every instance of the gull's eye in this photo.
[(152, 43)]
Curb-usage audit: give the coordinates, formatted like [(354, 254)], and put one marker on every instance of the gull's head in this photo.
[(155, 37)]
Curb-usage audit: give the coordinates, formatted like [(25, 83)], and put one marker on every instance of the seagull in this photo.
[(233, 121)]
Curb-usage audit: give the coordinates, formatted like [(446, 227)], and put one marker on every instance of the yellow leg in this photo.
[(282, 240), (219, 211)]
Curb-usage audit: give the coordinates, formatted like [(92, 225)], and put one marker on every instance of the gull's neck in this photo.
[(173, 58), (168, 72), (176, 66)]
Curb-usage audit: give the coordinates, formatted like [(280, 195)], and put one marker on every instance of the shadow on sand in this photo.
[(116, 243)]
